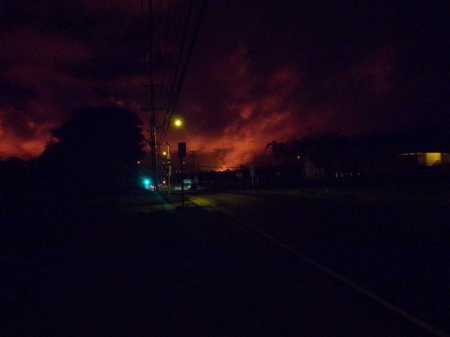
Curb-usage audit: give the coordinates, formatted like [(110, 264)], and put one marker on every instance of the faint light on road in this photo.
[(203, 202)]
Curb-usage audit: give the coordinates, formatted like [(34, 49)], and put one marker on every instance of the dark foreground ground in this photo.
[(139, 265)]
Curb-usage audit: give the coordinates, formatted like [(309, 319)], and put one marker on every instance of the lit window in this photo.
[(433, 158)]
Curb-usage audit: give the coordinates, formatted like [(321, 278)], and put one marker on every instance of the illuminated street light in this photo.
[(164, 153), (178, 123)]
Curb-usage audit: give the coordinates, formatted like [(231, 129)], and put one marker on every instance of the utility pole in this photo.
[(154, 154), (182, 151), (150, 93), (170, 29), (169, 168)]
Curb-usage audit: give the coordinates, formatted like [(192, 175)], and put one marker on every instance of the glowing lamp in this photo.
[(433, 158), (178, 123), (147, 183)]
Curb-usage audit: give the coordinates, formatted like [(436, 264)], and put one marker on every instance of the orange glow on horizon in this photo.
[(239, 143), (222, 169), (13, 145), (24, 149)]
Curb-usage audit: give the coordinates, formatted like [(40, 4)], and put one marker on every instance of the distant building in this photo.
[(340, 157), (428, 159), (311, 170)]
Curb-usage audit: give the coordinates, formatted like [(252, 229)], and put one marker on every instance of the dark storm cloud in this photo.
[(343, 67), (35, 86), (14, 93), (57, 56), (261, 70)]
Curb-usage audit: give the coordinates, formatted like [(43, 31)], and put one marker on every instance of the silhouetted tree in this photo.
[(279, 150), (96, 151), (14, 179)]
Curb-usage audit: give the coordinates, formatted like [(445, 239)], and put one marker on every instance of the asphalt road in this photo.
[(395, 248), (179, 272)]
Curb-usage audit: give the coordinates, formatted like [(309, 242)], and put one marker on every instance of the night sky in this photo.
[(261, 70)]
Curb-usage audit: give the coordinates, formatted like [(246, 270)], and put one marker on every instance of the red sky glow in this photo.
[(260, 72)]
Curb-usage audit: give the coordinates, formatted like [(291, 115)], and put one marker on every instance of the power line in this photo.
[(171, 30), (198, 23)]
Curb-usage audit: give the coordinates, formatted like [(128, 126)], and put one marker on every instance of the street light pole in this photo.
[(155, 154), (182, 151), (169, 169)]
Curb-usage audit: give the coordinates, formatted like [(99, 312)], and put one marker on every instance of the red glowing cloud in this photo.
[(251, 108), (273, 74), (36, 89), (239, 143), (254, 110), (14, 144)]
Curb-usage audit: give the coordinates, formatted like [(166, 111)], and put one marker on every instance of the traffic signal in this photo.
[(182, 150)]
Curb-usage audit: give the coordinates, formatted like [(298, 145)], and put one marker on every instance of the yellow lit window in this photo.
[(433, 158)]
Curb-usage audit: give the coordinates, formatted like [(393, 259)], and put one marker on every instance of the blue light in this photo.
[(147, 183)]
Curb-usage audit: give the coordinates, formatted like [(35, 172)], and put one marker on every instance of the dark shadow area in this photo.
[(94, 155), (86, 251)]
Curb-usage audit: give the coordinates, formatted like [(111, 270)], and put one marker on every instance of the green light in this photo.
[(147, 183)]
